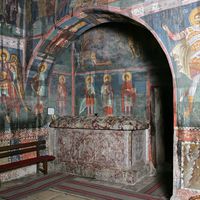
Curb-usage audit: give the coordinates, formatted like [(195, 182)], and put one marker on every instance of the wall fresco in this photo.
[(181, 39), (11, 17), (94, 59), (42, 14), (61, 98), (11, 88), (99, 63), (113, 82), (37, 87), (119, 97), (125, 69)]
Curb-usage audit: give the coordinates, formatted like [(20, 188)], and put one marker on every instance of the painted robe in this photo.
[(128, 96), (90, 98), (107, 98), (62, 98)]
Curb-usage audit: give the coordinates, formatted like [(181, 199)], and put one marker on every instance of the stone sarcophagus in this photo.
[(110, 148)]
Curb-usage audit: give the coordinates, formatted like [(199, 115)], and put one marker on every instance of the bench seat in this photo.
[(23, 148)]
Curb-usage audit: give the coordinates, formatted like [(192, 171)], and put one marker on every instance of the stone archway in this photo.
[(69, 28)]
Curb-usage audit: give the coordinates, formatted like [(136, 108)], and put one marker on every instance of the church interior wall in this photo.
[(46, 45)]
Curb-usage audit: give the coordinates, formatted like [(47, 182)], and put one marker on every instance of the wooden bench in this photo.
[(19, 149)]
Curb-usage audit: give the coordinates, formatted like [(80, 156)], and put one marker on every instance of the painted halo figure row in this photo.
[(128, 95)]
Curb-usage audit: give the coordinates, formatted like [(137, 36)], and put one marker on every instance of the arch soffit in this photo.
[(76, 25)]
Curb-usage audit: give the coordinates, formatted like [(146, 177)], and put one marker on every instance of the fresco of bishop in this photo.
[(187, 55)]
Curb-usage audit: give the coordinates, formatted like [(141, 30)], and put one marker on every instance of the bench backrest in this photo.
[(16, 149)]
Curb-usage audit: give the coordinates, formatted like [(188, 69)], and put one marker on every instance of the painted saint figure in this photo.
[(14, 68), (62, 95), (187, 54), (107, 95), (128, 94), (38, 110), (89, 95), (11, 90), (8, 96), (10, 86), (38, 81)]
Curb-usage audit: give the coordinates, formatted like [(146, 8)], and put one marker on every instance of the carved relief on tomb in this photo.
[(111, 155)]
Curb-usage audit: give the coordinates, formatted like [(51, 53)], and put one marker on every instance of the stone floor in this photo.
[(48, 194), (55, 195), (52, 194)]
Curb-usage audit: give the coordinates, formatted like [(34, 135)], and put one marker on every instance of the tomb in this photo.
[(114, 149)]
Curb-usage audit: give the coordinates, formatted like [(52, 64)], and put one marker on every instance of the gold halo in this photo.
[(62, 77), (127, 74), (3, 74), (107, 76), (192, 15), (14, 58), (89, 77), (4, 51), (42, 67)]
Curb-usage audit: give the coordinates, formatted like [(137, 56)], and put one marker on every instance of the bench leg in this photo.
[(45, 167), (38, 168)]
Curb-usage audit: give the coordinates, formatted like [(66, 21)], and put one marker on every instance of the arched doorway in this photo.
[(119, 48), (158, 88)]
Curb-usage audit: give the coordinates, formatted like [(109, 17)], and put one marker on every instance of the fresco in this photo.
[(107, 95), (113, 82), (61, 99), (186, 55), (77, 4), (96, 56), (105, 72), (37, 93), (110, 94), (11, 17), (42, 14), (60, 84), (30, 45), (101, 54), (182, 41), (11, 87)]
